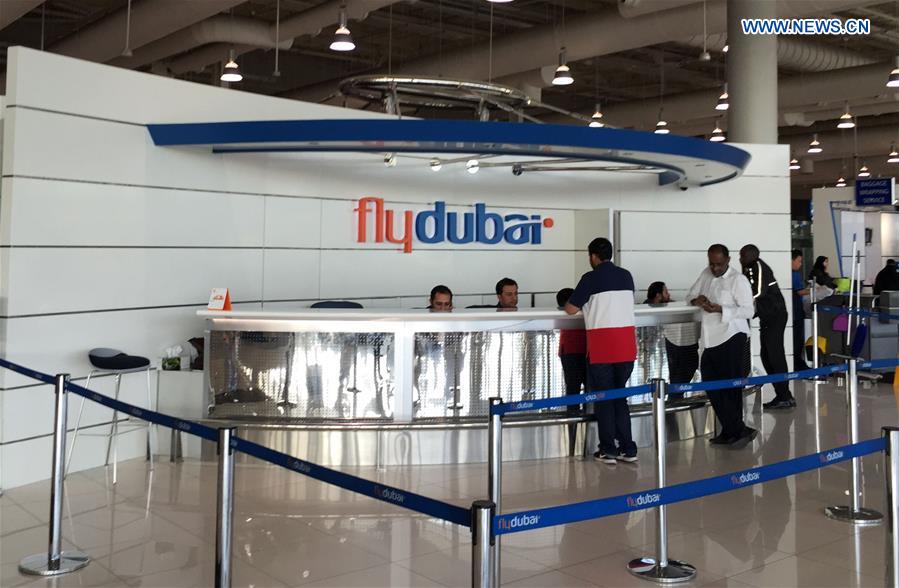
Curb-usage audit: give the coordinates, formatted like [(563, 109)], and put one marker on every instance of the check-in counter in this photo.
[(360, 387)]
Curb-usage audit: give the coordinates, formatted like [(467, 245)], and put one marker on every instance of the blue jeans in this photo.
[(613, 417)]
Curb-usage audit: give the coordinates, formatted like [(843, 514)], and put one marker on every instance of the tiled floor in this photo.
[(157, 529)]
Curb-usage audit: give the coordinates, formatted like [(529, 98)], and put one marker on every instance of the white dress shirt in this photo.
[(733, 293)]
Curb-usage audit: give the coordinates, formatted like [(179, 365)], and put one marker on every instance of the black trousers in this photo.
[(574, 371), (774, 359), (683, 361), (613, 417), (798, 335), (725, 362)]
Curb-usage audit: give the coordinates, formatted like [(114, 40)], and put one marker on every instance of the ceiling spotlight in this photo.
[(815, 146), (562, 76), (864, 172), (725, 49), (343, 40), (846, 120), (717, 135), (596, 119), (231, 73), (723, 100), (390, 160), (436, 164), (473, 166), (894, 155), (893, 80), (841, 183), (794, 164)]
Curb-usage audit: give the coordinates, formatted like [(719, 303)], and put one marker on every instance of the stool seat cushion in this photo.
[(113, 359)]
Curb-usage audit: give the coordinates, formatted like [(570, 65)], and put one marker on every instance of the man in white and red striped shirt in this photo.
[(606, 296)]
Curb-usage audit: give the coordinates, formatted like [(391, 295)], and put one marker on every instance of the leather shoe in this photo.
[(721, 439), (744, 439), (780, 404)]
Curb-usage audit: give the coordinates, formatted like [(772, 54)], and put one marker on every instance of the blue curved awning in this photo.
[(683, 160)]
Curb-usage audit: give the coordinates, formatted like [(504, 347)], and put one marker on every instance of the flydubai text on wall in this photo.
[(436, 225)]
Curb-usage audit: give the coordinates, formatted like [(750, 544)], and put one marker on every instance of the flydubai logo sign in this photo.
[(518, 522), (831, 456), (436, 225), (745, 478), (643, 499)]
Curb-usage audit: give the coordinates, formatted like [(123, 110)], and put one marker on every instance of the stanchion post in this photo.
[(853, 512), (495, 476), (224, 508), (891, 470), (482, 540), (811, 285), (661, 569), (55, 561)]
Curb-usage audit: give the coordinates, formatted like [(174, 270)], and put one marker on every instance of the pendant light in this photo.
[(894, 155), (841, 183), (794, 164), (815, 146), (343, 40), (231, 73), (863, 171), (718, 134), (473, 166), (436, 165), (893, 80), (661, 125), (562, 76), (596, 119), (846, 120), (723, 100)]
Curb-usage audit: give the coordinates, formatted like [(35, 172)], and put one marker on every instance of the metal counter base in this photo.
[(388, 444)]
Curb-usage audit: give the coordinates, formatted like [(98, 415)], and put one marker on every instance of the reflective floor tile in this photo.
[(799, 571)]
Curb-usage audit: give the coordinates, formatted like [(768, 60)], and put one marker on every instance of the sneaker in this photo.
[(605, 458), (627, 458)]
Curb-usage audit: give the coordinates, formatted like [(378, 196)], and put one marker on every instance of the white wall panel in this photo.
[(128, 216), (291, 274), (666, 231), (293, 222), (76, 279)]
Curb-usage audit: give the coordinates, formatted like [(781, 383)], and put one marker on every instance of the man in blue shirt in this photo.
[(799, 290)]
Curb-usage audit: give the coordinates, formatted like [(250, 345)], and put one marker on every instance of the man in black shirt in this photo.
[(772, 312), (887, 278)]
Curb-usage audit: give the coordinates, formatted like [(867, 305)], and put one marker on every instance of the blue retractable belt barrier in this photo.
[(598, 396), (875, 364), (594, 509), (857, 311), (208, 433), (46, 378), (410, 500), (757, 380)]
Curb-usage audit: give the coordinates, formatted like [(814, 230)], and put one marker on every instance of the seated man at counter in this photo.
[(507, 294), (681, 342), (441, 299), (607, 296), (725, 296)]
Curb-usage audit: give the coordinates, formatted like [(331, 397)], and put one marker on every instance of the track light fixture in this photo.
[(723, 100), (343, 40), (814, 145), (846, 120), (718, 134), (562, 76), (231, 73)]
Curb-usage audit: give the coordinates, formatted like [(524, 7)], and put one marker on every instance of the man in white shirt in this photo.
[(725, 296)]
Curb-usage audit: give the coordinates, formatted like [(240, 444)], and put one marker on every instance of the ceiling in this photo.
[(632, 64)]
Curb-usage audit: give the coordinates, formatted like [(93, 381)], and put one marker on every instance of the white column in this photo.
[(751, 75)]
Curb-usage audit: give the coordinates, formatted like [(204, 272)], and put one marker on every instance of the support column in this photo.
[(751, 75)]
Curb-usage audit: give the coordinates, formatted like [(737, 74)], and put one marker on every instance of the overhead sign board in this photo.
[(875, 192)]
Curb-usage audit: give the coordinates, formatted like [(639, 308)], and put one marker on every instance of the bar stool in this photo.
[(116, 363)]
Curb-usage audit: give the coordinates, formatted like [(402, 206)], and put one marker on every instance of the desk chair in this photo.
[(116, 363)]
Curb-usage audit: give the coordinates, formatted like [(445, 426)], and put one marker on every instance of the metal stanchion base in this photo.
[(675, 572), (862, 516), (39, 563)]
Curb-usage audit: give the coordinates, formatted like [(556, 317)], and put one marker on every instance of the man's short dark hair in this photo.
[(796, 253), (719, 248), (440, 289), (563, 295), (751, 249), (891, 262), (503, 283), (654, 290), (600, 247)]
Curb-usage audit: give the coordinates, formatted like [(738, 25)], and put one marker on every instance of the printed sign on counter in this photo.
[(220, 299), (875, 192)]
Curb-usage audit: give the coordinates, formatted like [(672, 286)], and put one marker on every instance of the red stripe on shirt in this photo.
[(572, 341), (612, 345)]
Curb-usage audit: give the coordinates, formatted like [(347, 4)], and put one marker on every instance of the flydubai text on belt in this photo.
[(436, 225)]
